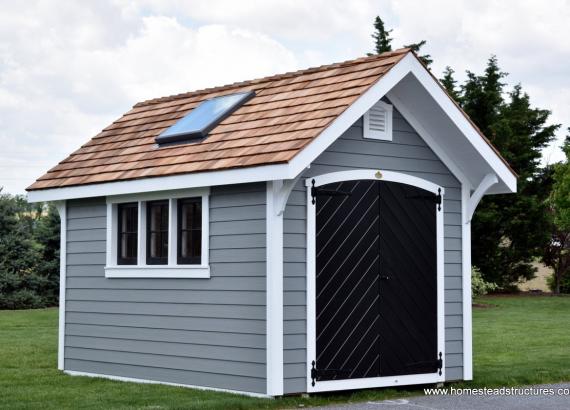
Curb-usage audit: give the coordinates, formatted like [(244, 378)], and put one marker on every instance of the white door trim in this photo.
[(369, 174)]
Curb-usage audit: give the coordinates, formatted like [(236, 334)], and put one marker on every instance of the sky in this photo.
[(69, 68)]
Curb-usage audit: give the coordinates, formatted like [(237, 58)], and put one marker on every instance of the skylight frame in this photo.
[(168, 136)]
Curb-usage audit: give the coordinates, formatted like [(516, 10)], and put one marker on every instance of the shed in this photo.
[(303, 232)]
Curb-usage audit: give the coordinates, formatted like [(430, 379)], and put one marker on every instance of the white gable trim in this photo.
[(408, 64)]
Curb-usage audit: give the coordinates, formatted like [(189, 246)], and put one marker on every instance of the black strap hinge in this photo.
[(440, 363), (317, 374), (325, 192), (314, 374), (436, 199)]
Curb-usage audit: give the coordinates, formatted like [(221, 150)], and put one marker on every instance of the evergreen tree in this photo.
[(510, 231), (381, 36), (557, 252), (483, 96), (450, 84), (426, 58)]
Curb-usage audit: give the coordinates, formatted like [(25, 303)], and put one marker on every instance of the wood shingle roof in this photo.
[(287, 113)]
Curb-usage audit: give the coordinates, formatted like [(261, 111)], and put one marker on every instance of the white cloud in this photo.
[(62, 79), (69, 68)]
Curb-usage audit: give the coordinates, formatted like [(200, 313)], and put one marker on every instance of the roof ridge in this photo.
[(273, 77)]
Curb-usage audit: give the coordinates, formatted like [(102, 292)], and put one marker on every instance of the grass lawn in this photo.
[(519, 340)]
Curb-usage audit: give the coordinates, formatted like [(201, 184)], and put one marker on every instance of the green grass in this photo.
[(520, 340)]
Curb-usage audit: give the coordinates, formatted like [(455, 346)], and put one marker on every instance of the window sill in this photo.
[(159, 272)]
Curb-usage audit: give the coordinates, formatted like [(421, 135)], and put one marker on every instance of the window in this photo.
[(378, 122), (189, 231), (157, 233), (128, 234), (202, 119)]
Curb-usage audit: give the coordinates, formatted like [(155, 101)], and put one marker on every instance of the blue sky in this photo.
[(69, 68)]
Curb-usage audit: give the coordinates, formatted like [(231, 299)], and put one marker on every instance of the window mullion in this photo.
[(142, 234), (173, 232)]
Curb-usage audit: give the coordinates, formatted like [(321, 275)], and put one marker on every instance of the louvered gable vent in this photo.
[(378, 122)]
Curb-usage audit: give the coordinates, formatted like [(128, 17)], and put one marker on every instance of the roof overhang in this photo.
[(415, 93)]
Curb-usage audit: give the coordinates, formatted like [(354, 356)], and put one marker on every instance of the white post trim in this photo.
[(274, 263), (469, 203), (371, 382), (62, 210), (466, 284)]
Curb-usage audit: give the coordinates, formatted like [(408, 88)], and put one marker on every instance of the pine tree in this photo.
[(510, 231), (381, 36), (450, 84), (426, 58)]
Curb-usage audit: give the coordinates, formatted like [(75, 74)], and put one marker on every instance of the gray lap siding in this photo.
[(205, 332), (406, 153)]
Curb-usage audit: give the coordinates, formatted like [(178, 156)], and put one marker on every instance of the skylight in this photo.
[(202, 119)]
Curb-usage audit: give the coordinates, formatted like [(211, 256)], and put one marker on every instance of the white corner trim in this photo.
[(487, 182), (374, 174), (274, 292), (311, 282), (466, 285), (62, 210), (428, 138), (146, 381), (158, 271)]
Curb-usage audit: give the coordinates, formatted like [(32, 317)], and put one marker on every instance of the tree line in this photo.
[(29, 253), (509, 232)]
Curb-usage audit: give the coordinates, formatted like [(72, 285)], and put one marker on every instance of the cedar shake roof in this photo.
[(287, 113)]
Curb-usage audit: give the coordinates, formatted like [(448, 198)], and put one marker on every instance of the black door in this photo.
[(376, 276)]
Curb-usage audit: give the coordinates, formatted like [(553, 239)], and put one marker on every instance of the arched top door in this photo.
[(375, 273)]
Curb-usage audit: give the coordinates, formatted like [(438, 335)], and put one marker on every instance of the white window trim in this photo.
[(385, 135), (172, 269), (371, 382)]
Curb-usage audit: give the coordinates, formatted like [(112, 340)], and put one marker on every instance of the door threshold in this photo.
[(372, 382)]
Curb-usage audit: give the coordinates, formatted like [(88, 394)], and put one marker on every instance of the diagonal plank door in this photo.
[(376, 276), (408, 287), (347, 245)]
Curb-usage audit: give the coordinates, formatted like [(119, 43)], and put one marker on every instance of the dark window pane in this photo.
[(190, 231), (157, 233), (127, 233)]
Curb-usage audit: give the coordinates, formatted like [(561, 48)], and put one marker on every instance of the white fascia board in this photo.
[(173, 182)]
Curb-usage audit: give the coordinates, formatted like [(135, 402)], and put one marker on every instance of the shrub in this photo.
[(564, 283), (479, 286)]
